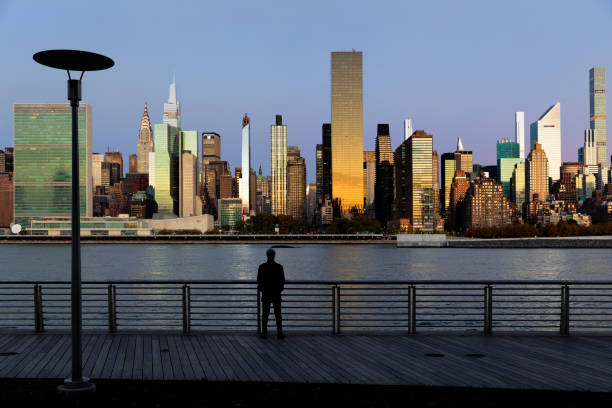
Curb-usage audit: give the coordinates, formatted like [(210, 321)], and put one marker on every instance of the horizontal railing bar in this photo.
[(323, 282)]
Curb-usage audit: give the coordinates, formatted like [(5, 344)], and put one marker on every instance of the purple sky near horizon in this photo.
[(455, 68)]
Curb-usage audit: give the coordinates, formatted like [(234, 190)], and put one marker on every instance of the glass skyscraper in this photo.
[(547, 132), (414, 180), (244, 188), (597, 91), (347, 129), (166, 141), (278, 162), (43, 161)]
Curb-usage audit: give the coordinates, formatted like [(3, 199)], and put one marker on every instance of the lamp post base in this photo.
[(75, 389)]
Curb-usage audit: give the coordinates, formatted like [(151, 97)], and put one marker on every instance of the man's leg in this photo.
[(278, 316), (265, 313)]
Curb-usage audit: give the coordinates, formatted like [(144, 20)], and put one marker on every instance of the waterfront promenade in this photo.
[(550, 362)]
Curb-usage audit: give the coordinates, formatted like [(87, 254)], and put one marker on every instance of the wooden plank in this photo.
[(33, 358), (65, 357), (291, 370), (97, 368), (184, 360), (239, 373), (147, 357), (194, 359), (31, 370), (250, 353), (137, 371), (238, 358), (128, 364), (157, 366), (320, 371), (119, 357), (92, 354), (214, 371), (17, 344), (47, 361), (111, 357), (213, 349), (167, 367)]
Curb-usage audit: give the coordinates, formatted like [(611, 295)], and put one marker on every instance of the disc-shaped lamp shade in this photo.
[(73, 60)]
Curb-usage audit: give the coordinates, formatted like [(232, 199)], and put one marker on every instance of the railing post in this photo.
[(112, 308), (333, 307), (564, 324), (39, 324), (186, 308), (412, 309), (338, 316), (488, 309), (258, 311)]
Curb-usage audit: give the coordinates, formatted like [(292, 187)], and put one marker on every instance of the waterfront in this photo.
[(303, 262)]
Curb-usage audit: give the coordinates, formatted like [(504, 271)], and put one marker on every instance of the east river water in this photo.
[(301, 262)]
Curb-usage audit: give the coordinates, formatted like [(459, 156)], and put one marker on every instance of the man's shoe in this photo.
[(264, 335)]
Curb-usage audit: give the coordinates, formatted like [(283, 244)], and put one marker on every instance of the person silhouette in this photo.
[(271, 282)]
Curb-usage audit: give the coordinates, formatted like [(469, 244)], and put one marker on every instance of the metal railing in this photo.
[(315, 306)]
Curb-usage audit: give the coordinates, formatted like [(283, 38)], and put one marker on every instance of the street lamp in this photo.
[(71, 60)]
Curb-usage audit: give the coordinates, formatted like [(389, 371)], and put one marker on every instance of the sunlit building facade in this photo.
[(244, 188), (43, 160), (546, 131), (536, 174), (519, 132), (278, 162), (166, 147), (347, 130), (172, 108), (597, 91), (296, 184), (414, 180), (447, 171), (145, 142)]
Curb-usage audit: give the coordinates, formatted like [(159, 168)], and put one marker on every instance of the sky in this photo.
[(456, 68)]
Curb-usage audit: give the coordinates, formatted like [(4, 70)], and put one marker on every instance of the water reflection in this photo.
[(305, 262)]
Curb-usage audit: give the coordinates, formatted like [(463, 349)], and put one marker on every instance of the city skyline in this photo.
[(210, 103)]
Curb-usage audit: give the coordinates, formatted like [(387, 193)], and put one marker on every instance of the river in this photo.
[(301, 262)]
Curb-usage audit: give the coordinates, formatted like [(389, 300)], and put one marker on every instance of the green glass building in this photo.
[(505, 168), (166, 148), (43, 161), (169, 142), (230, 211)]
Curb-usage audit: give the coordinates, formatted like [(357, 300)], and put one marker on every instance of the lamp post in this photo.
[(72, 60)]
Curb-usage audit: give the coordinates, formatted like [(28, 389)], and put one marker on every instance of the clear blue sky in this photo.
[(457, 68)]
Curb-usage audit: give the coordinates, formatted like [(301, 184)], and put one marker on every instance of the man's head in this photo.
[(270, 253)]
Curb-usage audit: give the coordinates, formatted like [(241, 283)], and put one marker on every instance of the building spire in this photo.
[(145, 133), (459, 144)]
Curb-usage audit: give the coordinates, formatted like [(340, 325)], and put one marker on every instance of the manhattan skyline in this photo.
[(466, 78)]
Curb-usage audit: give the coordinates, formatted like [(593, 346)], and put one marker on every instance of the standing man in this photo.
[(271, 282)]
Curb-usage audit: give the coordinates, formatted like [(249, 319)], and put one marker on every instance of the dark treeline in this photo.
[(562, 229)]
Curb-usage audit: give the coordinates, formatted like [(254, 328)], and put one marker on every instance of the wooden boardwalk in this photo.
[(530, 361)]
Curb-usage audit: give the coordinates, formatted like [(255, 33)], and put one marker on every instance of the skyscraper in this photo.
[(589, 152), (369, 177), (244, 188), (486, 205), (383, 184), (518, 185), (519, 132), (458, 191), (447, 165), (436, 186), (311, 203), (296, 184), (347, 129), (43, 160), (463, 158), (172, 108), (115, 157), (133, 163), (508, 154), (536, 174), (145, 142), (414, 180), (597, 91), (278, 161), (324, 191), (166, 140), (188, 174), (96, 169), (211, 152), (547, 132), (407, 128)]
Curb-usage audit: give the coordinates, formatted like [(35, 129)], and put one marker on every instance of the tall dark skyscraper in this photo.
[(383, 185), (324, 186), (447, 164)]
